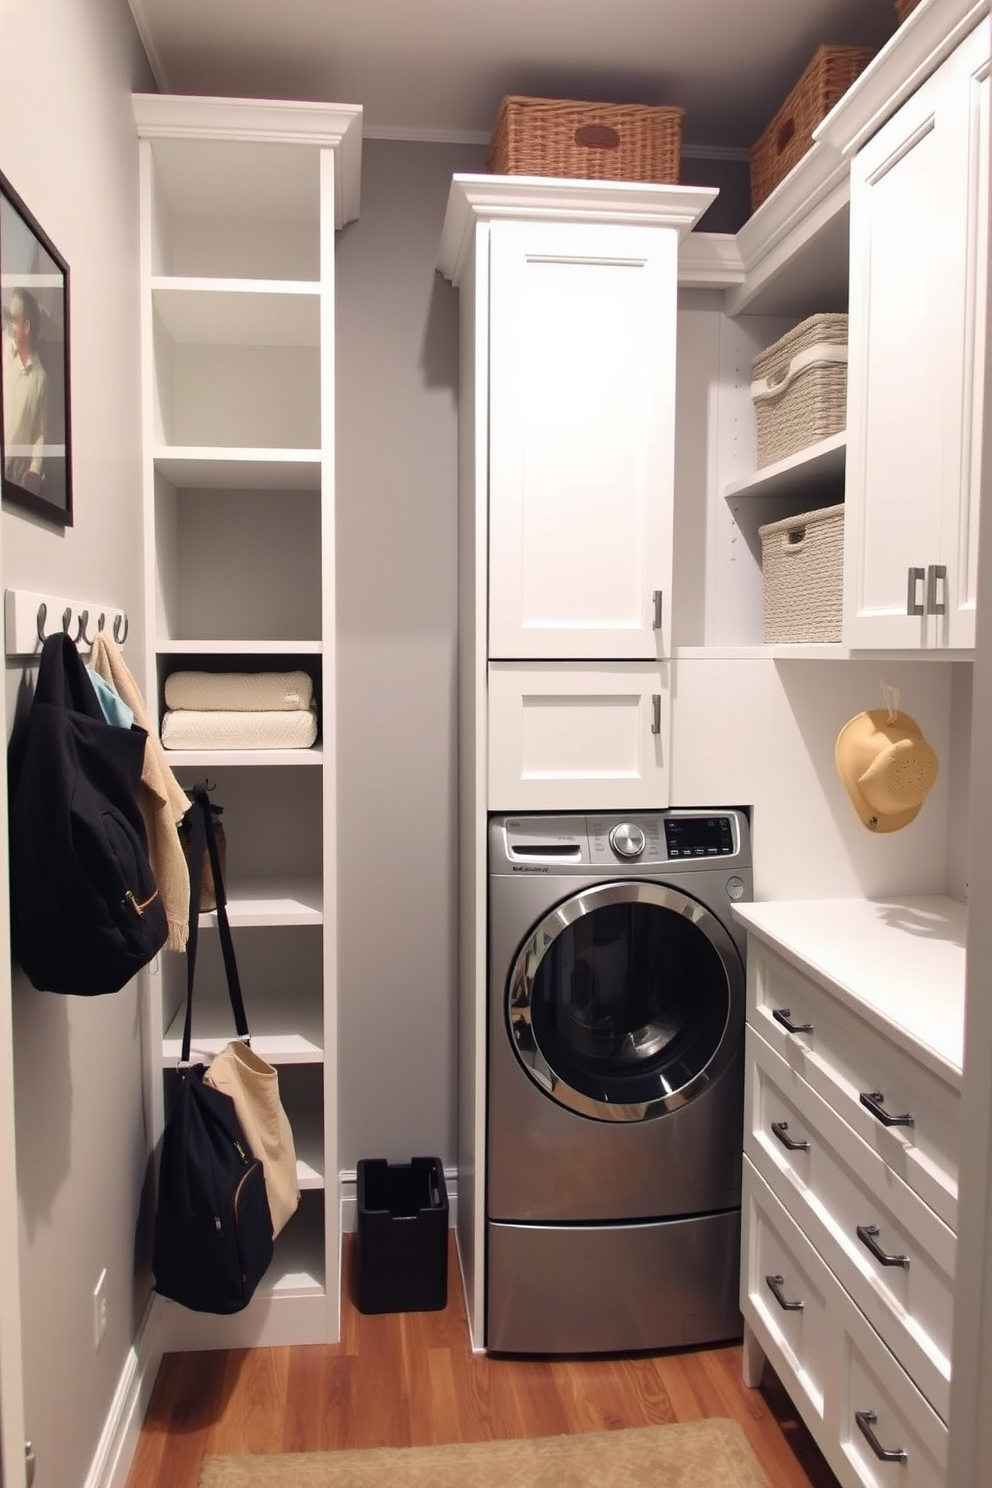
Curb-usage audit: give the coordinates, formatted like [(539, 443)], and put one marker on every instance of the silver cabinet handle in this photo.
[(866, 1420), (914, 606), (656, 712), (867, 1235), (657, 609), (775, 1285), (780, 1129), (936, 574), (873, 1100)]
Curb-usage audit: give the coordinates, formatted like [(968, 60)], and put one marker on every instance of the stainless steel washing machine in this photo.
[(615, 1080)]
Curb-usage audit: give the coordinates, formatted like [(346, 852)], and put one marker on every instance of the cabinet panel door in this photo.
[(569, 737), (913, 193), (582, 397)]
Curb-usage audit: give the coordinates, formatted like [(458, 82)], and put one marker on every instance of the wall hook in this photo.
[(84, 620), (42, 617), (120, 629), (66, 618)]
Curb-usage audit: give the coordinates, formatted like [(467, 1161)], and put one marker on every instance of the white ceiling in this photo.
[(436, 69)]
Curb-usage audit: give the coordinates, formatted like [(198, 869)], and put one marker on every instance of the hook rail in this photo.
[(30, 617)]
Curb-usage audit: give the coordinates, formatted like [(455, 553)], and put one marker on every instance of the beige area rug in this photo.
[(690, 1454)]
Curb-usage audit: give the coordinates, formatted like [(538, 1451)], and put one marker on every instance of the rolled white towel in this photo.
[(247, 692)]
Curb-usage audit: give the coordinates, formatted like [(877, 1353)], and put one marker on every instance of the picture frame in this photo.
[(35, 450)]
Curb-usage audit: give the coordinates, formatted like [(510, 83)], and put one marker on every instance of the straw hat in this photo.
[(887, 768)]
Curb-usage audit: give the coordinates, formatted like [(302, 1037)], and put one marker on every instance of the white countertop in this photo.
[(898, 962)]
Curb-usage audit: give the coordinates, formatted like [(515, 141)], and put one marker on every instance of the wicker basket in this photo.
[(586, 141), (905, 8), (802, 565), (790, 133), (799, 388)]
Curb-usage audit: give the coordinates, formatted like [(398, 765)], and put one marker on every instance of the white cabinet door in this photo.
[(918, 248), (567, 737), (582, 406)]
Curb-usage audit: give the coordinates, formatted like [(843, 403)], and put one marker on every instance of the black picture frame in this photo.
[(35, 449)]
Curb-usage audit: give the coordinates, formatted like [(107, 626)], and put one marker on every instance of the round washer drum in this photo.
[(626, 1001)]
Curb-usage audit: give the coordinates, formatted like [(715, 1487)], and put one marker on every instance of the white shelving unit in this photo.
[(240, 201)]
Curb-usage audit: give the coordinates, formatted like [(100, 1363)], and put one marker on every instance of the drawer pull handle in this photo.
[(866, 1234), (784, 1016), (874, 1101), (780, 1129), (866, 1420), (775, 1285)]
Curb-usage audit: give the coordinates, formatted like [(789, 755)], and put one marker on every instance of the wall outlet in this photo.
[(100, 1308)]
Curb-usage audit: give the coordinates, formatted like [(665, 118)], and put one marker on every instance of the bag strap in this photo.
[(204, 839)]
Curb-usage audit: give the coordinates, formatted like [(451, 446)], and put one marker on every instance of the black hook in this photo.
[(66, 618), (42, 617), (120, 629), (84, 620)]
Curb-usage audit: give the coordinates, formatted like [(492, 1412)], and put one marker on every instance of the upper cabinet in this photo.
[(919, 254), (582, 429)]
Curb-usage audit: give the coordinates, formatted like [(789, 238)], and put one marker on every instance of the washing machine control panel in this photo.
[(651, 839)]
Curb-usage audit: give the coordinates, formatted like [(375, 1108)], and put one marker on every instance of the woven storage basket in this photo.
[(905, 8), (790, 133), (799, 387), (586, 141), (802, 562)]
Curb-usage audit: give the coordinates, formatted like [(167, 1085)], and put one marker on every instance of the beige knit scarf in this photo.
[(162, 799)]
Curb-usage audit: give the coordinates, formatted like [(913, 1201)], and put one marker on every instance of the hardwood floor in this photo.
[(399, 1379)]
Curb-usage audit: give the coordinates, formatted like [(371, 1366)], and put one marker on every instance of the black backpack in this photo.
[(213, 1226), (85, 911)]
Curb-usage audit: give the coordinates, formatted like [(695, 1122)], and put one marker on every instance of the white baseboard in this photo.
[(122, 1428), (348, 1191)]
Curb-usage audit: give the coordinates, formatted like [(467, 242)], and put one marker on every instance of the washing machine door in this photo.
[(626, 1001)]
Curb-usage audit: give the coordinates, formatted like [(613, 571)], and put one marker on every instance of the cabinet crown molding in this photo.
[(334, 126), (915, 50), (473, 200)]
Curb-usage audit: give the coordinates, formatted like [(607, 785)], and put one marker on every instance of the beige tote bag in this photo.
[(253, 1085)]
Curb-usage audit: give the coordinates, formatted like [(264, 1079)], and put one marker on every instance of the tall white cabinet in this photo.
[(568, 297), (240, 201), (919, 250)]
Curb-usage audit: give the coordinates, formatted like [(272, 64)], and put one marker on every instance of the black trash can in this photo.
[(402, 1252)]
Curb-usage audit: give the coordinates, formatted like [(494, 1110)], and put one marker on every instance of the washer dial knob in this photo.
[(627, 840)]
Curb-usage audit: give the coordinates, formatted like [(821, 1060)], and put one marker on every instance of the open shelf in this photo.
[(238, 312), (194, 467), (797, 474), (284, 1030), (261, 902)]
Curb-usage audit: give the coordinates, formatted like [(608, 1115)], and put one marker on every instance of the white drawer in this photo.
[(855, 1211), (847, 1062), (788, 1294), (860, 1375)]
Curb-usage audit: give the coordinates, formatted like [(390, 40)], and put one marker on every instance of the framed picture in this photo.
[(34, 366)]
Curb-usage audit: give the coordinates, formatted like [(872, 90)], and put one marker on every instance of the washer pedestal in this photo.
[(568, 1289)]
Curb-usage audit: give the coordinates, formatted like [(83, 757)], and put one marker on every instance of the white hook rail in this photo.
[(30, 617)]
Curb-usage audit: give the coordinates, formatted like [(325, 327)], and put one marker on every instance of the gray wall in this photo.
[(397, 371), (81, 1139)]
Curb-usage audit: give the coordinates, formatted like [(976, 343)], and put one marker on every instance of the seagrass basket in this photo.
[(586, 141), (790, 133), (802, 567), (799, 388)]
